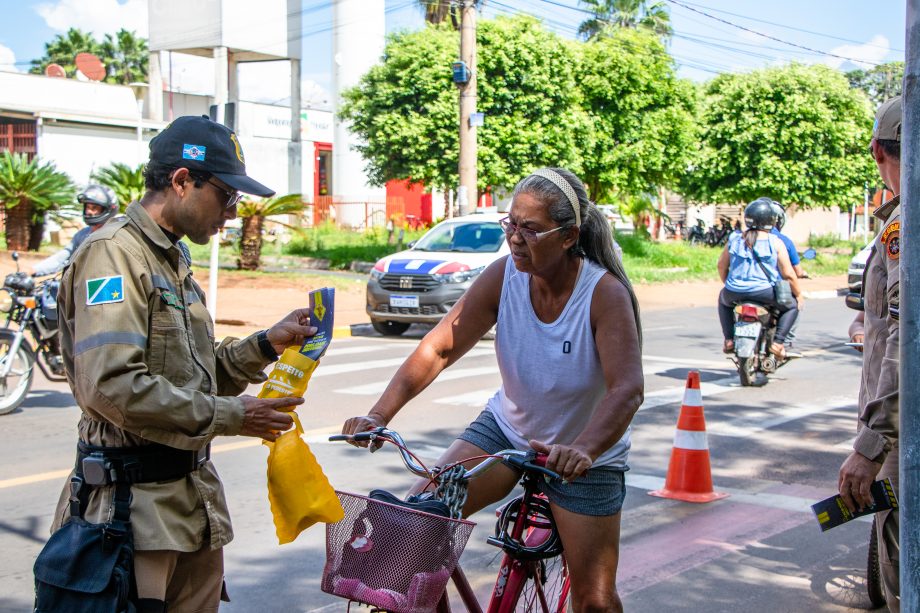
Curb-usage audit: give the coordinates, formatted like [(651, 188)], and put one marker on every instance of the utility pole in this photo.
[(909, 394), (467, 193)]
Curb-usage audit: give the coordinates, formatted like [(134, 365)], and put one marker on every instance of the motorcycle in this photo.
[(717, 236), (696, 235), (755, 327), (33, 308)]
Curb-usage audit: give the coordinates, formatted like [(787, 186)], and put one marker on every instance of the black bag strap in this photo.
[(762, 267)]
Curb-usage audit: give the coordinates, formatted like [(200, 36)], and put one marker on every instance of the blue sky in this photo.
[(864, 32)]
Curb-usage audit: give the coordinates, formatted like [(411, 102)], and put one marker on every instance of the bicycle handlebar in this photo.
[(528, 461)]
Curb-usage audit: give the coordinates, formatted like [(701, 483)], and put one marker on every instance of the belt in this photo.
[(146, 464)]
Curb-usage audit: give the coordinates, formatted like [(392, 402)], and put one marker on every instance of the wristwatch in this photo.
[(267, 350)]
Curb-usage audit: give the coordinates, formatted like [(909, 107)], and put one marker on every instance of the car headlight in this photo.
[(857, 266), (376, 275), (460, 276), (6, 301)]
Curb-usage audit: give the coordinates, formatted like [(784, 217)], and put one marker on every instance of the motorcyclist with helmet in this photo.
[(99, 206), (750, 276), (777, 231)]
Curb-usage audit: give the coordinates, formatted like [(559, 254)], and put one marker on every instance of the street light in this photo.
[(140, 90)]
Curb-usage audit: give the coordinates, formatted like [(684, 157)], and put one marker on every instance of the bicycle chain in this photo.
[(452, 490)]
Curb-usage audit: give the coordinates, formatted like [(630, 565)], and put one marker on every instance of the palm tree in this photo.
[(126, 57), (633, 14), (63, 48), (28, 189), (125, 181), (254, 214)]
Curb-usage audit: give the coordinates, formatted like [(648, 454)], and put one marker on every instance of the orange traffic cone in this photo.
[(689, 476)]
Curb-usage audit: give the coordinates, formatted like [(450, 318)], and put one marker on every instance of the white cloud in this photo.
[(7, 60), (97, 16), (864, 56)]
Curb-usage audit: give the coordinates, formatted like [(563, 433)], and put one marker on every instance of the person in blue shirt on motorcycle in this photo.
[(99, 206), (777, 230), (746, 279)]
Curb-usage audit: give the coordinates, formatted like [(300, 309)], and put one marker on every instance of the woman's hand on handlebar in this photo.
[(363, 424), (569, 462)]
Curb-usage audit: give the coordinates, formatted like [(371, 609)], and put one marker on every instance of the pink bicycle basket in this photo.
[(391, 557)]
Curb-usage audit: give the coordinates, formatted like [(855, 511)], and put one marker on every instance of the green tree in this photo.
[(611, 15), (254, 215), (642, 116), (797, 134), (29, 189), (126, 57), (63, 48), (880, 82), (438, 11), (125, 181), (405, 108)]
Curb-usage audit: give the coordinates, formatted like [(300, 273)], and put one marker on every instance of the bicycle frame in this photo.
[(514, 572)]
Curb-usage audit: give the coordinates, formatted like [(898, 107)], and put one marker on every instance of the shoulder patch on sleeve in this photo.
[(105, 290), (893, 228), (893, 246)]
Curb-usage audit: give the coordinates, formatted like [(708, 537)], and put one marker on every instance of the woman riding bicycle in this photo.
[(750, 276), (568, 347)]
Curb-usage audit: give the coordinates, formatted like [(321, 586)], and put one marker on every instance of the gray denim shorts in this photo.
[(598, 492)]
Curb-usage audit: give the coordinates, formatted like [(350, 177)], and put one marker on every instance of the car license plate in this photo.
[(747, 329), (403, 302)]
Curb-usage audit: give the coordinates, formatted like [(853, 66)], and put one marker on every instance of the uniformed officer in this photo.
[(875, 451), (154, 387)]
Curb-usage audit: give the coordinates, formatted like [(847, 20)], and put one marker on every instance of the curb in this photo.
[(823, 294), (341, 331)]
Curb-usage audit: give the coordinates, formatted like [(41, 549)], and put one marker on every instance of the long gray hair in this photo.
[(595, 238)]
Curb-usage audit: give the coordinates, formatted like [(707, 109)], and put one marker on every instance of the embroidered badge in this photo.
[(893, 246), (172, 300), (892, 228), (239, 150), (105, 290), (194, 152)]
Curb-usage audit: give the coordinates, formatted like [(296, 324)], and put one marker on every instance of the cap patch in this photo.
[(193, 152), (239, 150), (105, 290)]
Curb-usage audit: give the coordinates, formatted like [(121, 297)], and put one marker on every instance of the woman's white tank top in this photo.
[(552, 379)]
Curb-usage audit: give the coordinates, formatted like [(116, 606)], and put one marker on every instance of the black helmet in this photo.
[(780, 211), (101, 196), (759, 215)]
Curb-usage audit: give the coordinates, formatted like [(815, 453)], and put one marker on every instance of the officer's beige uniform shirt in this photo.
[(878, 393), (143, 370)]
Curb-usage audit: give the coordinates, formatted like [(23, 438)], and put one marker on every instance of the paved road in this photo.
[(775, 450)]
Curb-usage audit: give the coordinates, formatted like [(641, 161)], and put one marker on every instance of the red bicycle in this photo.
[(399, 555)]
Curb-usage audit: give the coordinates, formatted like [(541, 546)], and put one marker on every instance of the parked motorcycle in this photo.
[(755, 327), (717, 236), (33, 308), (696, 235)]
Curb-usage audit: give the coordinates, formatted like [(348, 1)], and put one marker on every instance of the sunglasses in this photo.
[(232, 196), (530, 236)]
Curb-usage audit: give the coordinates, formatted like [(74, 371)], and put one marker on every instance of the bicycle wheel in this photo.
[(548, 589), (874, 571)]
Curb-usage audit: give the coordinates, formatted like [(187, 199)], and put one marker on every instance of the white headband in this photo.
[(560, 182)]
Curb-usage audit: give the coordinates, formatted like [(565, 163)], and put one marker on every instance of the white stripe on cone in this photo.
[(693, 397), (693, 440)]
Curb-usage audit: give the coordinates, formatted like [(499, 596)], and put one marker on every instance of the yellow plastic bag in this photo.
[(299, 493)]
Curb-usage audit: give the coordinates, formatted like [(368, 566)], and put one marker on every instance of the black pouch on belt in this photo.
[(89, 568)]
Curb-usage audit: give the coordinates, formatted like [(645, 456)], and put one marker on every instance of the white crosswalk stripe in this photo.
[(451, 374), (754, 422)]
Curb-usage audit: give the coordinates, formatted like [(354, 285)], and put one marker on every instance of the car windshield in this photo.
[(477, 236)]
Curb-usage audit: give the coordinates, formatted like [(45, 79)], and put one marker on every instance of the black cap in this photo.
[(199, 144)]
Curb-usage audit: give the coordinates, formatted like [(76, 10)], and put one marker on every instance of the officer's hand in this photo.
[(363, 424), (858, 338), (292, 330), (856, 477), (266, 417), (569, 462), (799, 302)]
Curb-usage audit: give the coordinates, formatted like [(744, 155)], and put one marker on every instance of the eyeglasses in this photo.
[(531, 236), (232, 196)]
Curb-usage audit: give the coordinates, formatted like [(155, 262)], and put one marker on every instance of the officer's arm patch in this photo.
[(891, 238), (105, 290)]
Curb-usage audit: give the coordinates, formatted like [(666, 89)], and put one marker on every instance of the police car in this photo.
[(422, 283)]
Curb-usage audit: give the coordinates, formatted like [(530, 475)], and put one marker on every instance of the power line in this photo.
[(779, 40)]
